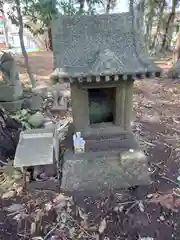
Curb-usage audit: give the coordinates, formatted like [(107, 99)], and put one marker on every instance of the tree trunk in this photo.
[(50, 45), (9, 135), (176, 54), (25, 55), (81, 6), (5, 28), (108, 6), (149, 24), (161, 11), (169, 22)]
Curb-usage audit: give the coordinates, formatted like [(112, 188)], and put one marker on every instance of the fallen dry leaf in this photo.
[(141, 206), (72, 232), (37, 238), (38, 214), (48, 206), (60, 198), (64, 217), (146, 238), (84, 224), (19, 190), (102, 226), (33, 228), (15, 207), (166, 200), (9, 194), (20, 216), (82, 214)]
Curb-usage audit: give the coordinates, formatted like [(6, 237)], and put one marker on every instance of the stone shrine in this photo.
[(101, 56)]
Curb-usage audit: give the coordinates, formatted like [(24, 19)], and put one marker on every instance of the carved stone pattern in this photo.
[(78, 41)]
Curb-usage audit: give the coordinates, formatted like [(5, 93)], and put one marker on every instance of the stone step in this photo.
[(111, 144), (104, 136), (97, 172)]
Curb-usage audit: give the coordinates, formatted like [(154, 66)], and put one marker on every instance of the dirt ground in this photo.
[(127, 214), (41, 65)]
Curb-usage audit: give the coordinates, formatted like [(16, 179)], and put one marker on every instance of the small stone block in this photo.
[(35, 148), (12, 106)]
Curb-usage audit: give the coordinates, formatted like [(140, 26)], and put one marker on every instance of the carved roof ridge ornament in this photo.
[(107, 62)]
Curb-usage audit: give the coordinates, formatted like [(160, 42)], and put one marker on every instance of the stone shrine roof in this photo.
[(100, 45)]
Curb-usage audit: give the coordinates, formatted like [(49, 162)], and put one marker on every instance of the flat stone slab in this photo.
[(101, 171), (10, 93), (35, 147), (12, 106)]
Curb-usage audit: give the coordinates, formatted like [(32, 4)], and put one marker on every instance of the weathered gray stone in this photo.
[(45, 171), (60, 104), (9, 70), (35, 147), (101, 56), (10, 88), (10, 92), (175, 70), (94, 172), (36, 120), (49, 124), (12, 106), (33, 102), (118, 141), (60, 96), (101, 45), (40, 90)]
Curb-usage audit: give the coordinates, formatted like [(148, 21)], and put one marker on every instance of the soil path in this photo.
[(156, 122)]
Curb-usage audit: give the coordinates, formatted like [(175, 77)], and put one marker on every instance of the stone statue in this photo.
[(9, 69), (11, 89)]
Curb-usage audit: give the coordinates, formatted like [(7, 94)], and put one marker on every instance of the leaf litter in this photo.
[(68, 225)]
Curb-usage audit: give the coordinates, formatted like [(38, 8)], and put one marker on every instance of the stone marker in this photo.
[(101, 56)]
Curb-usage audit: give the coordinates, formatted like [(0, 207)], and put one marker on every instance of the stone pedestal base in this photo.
[(10, 93), (98, 172), (12, 106)]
